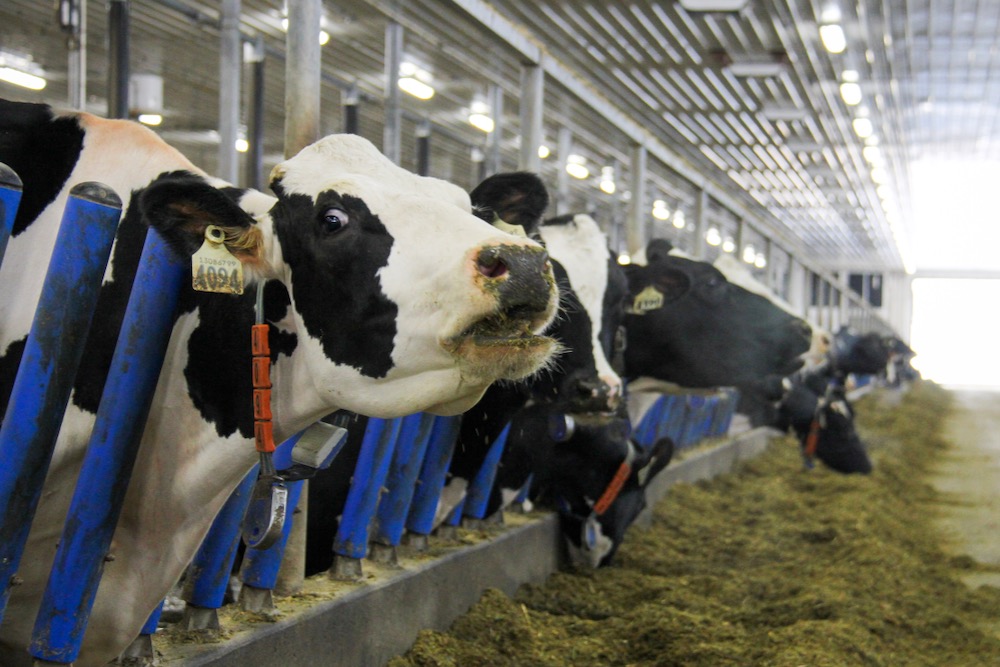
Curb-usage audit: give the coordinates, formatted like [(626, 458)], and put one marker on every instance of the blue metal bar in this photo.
[(260, 566), (208, 576), (477, 496), (153, 621), (48, 365), (648, 429), (114, 443), (414, 435), (522, 495), (369, 477), (10, 199), (432, 475)]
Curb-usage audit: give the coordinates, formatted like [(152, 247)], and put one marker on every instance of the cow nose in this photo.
[(521, 276), (593, 395)]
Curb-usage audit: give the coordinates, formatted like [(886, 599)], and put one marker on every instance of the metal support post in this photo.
[(230, 67), (635, 223), (392, 131), (118, 52), (532, 94)]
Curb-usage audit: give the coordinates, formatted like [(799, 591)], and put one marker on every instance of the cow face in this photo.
[(865, 354), (577, 463), (600, 288), (688, 324), (400, 298), (815, 408)]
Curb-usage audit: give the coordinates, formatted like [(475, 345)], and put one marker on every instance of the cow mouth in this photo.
[(502, 344)]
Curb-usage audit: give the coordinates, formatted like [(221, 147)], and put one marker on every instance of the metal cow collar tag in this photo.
[(213, 267), (648, 299)]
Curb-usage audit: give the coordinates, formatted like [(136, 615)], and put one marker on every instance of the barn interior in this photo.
[(797, 134)]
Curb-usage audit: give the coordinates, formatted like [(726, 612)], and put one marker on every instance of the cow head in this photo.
[(689, 325), (853, 352), (400, 299), (815, 408), (593, 336), (577, 461)]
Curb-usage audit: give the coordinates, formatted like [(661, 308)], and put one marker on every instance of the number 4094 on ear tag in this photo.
[(213, 267)]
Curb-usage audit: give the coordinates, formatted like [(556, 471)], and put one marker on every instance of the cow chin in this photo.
[(485, 359)]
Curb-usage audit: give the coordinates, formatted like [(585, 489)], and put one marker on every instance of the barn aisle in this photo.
[(969, 477)]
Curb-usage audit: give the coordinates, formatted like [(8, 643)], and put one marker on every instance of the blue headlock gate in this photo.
[(395, 490)]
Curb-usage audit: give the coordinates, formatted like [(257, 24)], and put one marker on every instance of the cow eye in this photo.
[(335, 219)]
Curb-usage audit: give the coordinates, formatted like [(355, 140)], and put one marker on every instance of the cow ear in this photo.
[(658, 249), (180, 205), (517, 198), (659, 456)]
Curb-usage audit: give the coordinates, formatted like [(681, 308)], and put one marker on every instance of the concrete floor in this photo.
[(969, 476)]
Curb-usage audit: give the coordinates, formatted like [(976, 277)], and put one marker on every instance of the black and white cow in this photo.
[(573, 469), (689, 325), (816, 409), (385, 295), (859, 353)]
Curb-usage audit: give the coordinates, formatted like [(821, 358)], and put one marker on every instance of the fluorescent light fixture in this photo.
[(624, 258), (543, 151), (749, 254), (678, 219), (778, 111), (863, 127), (608, 180), (872, 153), (576, 166), (416, 87), (880, 176), (242, 145), (833, 37), (728, 244), (713, 237), (416, 81), (713, 5), (481, 121), (21, 78), (150, 118), (851, 93), (760, 261), (660, 210), (762, 68)]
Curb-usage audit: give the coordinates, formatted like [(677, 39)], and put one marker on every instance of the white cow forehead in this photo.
[(340, 158)]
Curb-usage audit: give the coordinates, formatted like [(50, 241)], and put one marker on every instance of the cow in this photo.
[(900, 370), (816, 409), (586, 467), (687, 324), (518, 200), (859, 353), (383, 294), (572, 468)]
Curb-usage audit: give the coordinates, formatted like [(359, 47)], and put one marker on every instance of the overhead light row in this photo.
[(21, 71)]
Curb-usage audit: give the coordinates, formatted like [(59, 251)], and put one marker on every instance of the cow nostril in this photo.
[(490, 264)]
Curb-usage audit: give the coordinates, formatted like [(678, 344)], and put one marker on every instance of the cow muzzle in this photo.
[(520, 277), (505, 342)]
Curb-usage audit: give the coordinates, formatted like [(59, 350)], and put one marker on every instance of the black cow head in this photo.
[(865, 354), (588, 468), (687, 324), (816, 409)]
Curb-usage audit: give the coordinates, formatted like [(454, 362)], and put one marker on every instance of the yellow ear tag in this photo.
[(516, 230), (645, 301), (213, 267)]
